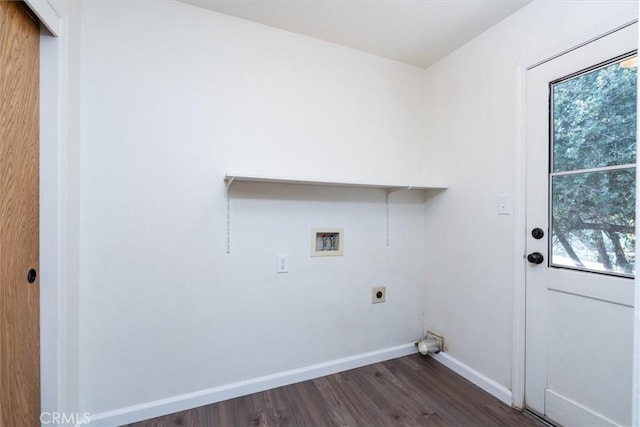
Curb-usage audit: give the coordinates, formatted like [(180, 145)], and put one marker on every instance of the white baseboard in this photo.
[(183, 402), (487, 384)]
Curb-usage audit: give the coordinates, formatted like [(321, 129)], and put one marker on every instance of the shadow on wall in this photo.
[(322, 193)]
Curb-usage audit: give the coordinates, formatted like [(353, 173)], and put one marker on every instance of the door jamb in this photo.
[(519, 244), (50, 293), (52, 348), (520, 234)]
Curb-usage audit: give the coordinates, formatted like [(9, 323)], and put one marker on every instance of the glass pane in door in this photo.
[(593, 221), (592, 181), (594, 118)]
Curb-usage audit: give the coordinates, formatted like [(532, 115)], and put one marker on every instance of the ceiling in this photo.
[(416, 32)]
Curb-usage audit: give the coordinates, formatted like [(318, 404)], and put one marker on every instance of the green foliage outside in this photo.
[(593, 213)]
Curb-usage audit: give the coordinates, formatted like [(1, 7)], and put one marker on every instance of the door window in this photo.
[(592, 177)]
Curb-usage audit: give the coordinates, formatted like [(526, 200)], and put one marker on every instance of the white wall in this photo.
[(472, 96), (173, 97)]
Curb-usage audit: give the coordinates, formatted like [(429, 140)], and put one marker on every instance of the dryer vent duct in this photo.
[(431, 344)]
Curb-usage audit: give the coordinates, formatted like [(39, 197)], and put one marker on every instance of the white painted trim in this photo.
[(635, 399), (635, 396), (47, 15), (58, 305), (585, 38), (519, 244), (67, 307), (50, 223), (241, 388), (566, 412), (500, 392)]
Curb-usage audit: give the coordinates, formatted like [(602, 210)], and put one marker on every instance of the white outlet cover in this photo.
[(282, 263)]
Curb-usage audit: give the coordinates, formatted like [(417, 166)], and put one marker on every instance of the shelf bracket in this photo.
[(228, 181), (388, 191), (386, 207)]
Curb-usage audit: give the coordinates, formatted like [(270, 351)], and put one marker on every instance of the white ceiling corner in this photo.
[(416, 32)]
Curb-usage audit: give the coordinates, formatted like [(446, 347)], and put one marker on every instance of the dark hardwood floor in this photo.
[(409, 391)]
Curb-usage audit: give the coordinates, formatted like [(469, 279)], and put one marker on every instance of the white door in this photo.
[(581, 156)]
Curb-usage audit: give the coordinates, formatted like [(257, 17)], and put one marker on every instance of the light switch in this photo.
[(505, 204)]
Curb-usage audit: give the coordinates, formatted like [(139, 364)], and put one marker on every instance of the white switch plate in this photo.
[(282, 265), (505, 204)]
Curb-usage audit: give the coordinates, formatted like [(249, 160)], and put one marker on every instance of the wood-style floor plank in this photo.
[(408, 391)]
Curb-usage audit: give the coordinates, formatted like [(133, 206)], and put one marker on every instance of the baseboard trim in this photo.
[(183, 402), (487, 384)]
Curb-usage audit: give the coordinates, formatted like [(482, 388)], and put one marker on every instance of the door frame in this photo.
[(520, 231), (58, 227), (50, 333)]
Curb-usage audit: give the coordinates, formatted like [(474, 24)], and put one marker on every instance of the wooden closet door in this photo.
[(19, 229)]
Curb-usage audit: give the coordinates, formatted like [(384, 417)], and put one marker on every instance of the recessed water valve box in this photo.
[(327, 242)]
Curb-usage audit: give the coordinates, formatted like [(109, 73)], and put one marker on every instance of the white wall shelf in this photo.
[(229, 179)]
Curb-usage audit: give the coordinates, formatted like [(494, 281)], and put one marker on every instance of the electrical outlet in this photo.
[(378, 294), (282, 265)]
